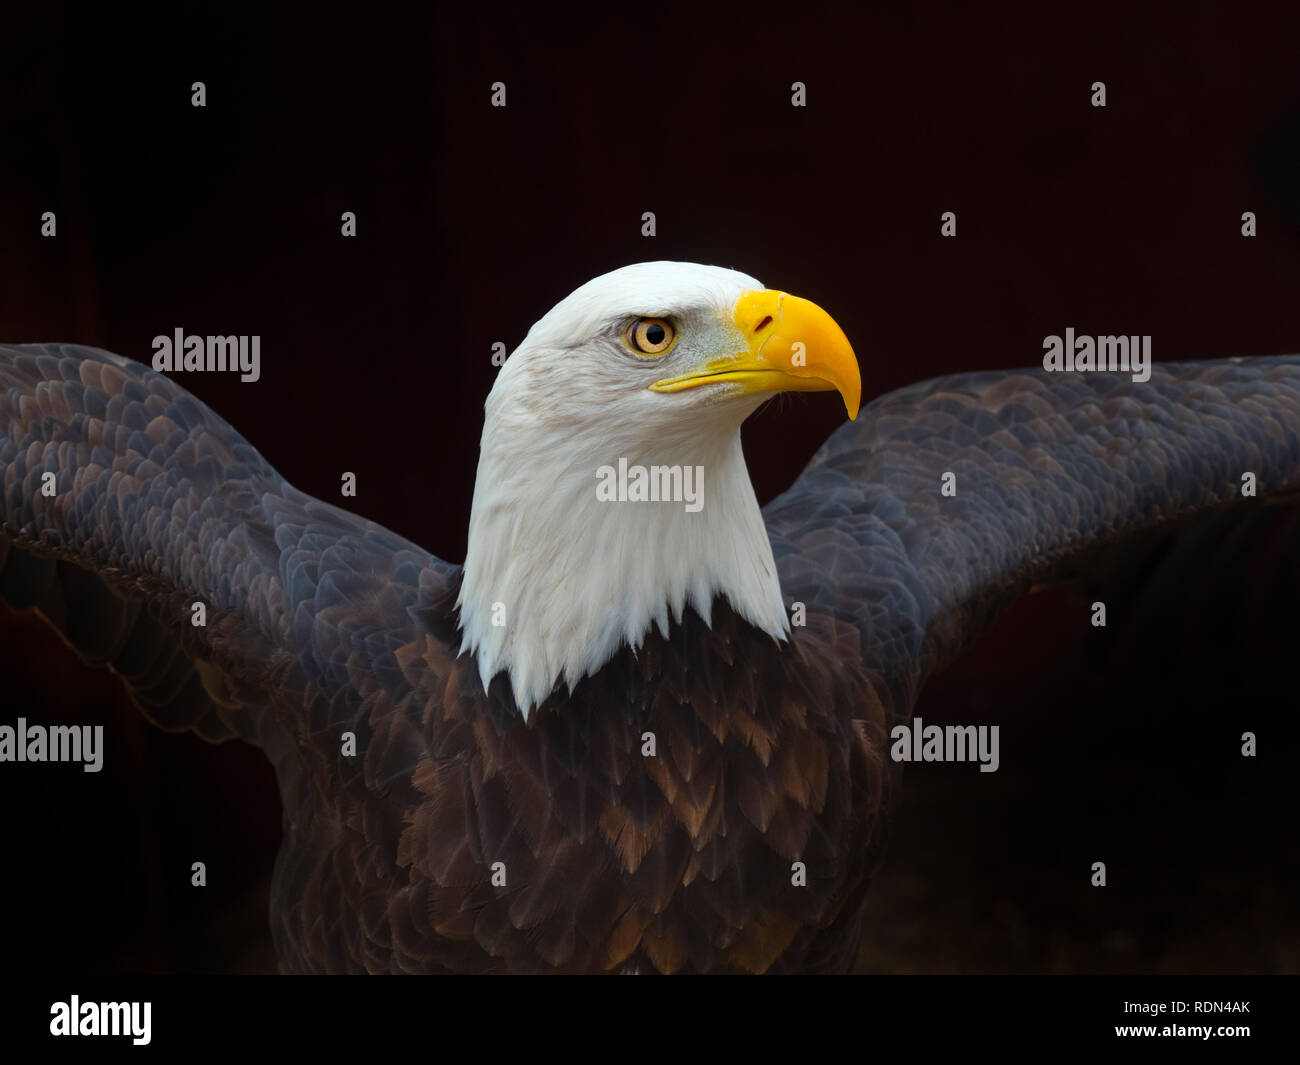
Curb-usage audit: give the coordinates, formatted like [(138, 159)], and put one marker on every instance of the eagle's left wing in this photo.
[(913, 526)]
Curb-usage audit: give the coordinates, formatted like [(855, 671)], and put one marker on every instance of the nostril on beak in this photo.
[(763, 324)]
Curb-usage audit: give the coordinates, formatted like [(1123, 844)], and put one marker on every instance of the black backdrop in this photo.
[(472, 221)]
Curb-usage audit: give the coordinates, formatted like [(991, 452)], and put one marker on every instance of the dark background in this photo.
[(473, 221)]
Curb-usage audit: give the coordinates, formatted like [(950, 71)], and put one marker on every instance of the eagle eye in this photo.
[(650, 336)]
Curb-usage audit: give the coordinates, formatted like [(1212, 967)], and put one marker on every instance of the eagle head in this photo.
[(611, 491)]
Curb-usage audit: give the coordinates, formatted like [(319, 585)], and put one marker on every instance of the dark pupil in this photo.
[(654, 335)]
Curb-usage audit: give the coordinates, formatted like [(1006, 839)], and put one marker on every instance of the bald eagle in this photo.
[(645, 726)]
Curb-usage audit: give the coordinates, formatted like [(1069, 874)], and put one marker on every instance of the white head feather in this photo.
[(568, 578)]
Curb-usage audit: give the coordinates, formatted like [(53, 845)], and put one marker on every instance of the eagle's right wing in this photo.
[(126, 502), (319, 624)]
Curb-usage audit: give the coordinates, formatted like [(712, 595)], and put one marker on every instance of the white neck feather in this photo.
[(557, 581)]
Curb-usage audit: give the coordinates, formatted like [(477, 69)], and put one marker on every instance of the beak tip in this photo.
[(851, 392)]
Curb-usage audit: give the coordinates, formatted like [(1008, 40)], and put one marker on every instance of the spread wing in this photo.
[(1043, 471), (127, 501), (153, 503)]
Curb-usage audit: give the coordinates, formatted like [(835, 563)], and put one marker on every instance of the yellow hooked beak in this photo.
[(794, 346)]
